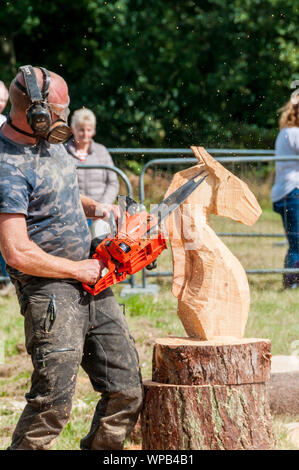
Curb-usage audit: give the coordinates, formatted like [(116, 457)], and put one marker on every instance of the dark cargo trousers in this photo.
[(65, 327)]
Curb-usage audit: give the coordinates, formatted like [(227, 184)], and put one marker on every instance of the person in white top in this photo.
[(285, 191)]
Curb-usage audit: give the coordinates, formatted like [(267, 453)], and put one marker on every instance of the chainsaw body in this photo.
[(140, 240), (129, 251)]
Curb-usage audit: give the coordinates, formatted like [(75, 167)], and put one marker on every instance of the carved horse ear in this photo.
[(205, 158)]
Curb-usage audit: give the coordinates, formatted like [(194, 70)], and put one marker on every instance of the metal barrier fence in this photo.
[(237, 156)]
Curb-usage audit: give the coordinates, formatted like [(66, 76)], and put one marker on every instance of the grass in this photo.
[(273, 315)]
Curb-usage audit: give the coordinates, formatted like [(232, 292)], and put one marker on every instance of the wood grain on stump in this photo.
[(217, 398), (186, 361)]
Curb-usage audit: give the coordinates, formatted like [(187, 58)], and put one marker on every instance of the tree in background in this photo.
[(163, 72)]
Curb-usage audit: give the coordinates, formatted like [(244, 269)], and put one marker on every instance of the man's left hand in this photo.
[(103, 211)]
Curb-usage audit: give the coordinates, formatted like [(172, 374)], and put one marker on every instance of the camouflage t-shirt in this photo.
[(40, 182)]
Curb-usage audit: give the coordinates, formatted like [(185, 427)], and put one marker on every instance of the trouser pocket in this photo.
[(41, 315), (54, 375), (42, 355)]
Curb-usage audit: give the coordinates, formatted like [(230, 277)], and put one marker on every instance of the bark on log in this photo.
[(210, 395), (206, 417), (187, 361)]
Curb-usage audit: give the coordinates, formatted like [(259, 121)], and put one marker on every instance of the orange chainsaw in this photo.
[(140, 239)]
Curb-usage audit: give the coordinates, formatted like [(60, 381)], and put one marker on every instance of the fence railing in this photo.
[(236, 156)]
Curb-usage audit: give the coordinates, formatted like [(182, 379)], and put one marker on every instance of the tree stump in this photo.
[(208, 395)]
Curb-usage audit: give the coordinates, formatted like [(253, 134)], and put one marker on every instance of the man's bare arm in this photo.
[(24, 255)]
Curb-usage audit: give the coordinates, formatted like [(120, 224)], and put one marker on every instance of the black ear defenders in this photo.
[(39, 112)]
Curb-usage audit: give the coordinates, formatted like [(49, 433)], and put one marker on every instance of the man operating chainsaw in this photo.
[(45, 241)]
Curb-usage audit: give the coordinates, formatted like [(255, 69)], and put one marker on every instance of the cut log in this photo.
[(208, 395), (206, 417), (187, 361)]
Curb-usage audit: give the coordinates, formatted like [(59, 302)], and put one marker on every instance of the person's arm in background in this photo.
[(112, 184), (24, 255)]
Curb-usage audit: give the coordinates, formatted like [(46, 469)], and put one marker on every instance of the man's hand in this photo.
[(96, 210), (102, 211), (89, 271)]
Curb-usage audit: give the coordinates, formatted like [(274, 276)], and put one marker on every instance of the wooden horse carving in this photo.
[(209, 391), (208, 280)]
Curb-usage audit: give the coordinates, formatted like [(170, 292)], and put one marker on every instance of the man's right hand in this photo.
[(89, 271), (24, 255)]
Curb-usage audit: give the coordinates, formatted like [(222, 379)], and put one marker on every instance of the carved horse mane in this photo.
[(208, 280)]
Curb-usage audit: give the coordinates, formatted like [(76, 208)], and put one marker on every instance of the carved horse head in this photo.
[(228, 195), (200, 259)]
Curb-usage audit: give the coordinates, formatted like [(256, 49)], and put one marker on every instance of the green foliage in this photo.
[(134, 166), (164, 73)]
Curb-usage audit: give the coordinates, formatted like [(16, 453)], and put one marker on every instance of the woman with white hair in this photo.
[(99, 184)]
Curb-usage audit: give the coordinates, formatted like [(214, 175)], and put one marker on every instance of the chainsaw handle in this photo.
[(88, 288), (92, 287), (110, 278)]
